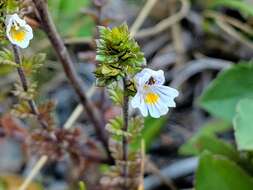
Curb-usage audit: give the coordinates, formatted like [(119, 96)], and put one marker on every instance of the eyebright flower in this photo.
[(152, 96), (18, 31)]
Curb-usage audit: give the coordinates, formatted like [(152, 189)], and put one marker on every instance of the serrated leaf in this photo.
[(25, 95), (33, 64), (22, 110), (117, 132), (116, 94), (136, 125), (219, 173), (45, 112), (6, 58), (114, 126), (243, 125), (227, 89)]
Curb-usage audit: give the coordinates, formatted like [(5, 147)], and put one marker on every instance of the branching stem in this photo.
[(68, 66)]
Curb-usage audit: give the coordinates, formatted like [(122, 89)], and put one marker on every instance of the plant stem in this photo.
[(68, 66), (24, 83), (125, 129)]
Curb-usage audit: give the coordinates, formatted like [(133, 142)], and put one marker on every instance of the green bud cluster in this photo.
[(118, 55)]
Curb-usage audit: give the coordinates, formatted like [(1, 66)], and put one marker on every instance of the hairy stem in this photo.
[(24, 83), (125, 129), (68, 66)]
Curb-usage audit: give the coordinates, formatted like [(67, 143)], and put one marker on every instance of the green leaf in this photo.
[(152, 129), (6, 58), (216, 146), (69, 19), (227, 89), (114, 127), (6, 62), (116, 94), (242, 6), (243, 124), (220, 173), (211, 128), (32, 64)]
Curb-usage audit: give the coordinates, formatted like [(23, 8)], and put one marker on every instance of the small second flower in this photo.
[(18, 31)]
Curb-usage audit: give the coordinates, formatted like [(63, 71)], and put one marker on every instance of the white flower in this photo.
[(152, 96), (18, 31)]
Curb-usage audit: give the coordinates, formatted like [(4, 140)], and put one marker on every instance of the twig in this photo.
[(78, 40), (166, 23), (232, 32), (167, 181), (142, 16), (223, 20), (143, 159), (234, 22), (173, 171), (33, 173), (78, 110), (177, 36), (197, 66), (68, 66), (24, 83), (125, 128)]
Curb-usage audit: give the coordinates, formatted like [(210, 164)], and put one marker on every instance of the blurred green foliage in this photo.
[(152, 129), (210, 129), (244, 7), (82, 185), (243, 124), (70, 21), (227, 97), (216, 172), (223, 94)]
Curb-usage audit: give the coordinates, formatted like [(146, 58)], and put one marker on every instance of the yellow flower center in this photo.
[(18, 34), (151, 98)]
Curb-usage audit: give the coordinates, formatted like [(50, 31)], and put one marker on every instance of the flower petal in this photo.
[(159, 77), (163, 108), (153, 111), (142, 77), (29, 36), (138, 102), (171, 92)]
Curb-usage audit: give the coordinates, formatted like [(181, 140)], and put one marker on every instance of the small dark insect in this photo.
[(151, 81)]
